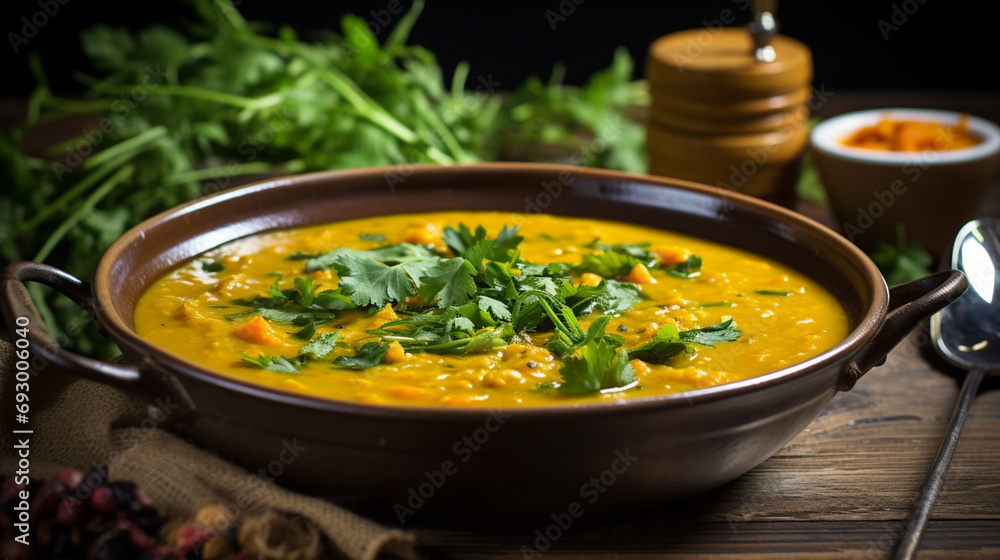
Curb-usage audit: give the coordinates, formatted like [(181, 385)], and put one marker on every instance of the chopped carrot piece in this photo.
[(639, 275), (395, 354), (590, 279), (407, 392), (640, 367), (671, 255), (257, 331)]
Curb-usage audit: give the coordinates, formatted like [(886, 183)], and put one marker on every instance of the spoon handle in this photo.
[(935, 478)]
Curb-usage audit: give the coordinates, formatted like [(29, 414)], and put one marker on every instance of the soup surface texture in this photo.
[(423, 309)]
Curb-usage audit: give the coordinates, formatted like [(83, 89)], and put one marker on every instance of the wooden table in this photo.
[(844, 487)]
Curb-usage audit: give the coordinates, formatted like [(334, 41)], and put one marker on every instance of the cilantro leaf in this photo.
[(376, 237), (475, 247), (610, 296), (279, 364), (304, 291), (725, 331), (636, 250), (497, 309), (369, 355), (389, 254), (781, 293), (307, 332), (688, 268), (322, 346), (213, 266), (668, 342), (596, 366), (448, 282), (608, 264), (369, 282), (333, 299)]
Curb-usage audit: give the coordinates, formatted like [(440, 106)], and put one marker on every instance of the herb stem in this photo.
[(291, 166), (86, 208), (137, 143)]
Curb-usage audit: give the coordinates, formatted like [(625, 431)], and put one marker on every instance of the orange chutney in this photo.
[(913, 136), (784, 317)]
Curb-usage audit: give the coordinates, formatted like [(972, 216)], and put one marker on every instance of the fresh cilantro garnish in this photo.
[(669, 342), (376, 237), (450, 282), (608, 264), (369, 355), (475, 247), (721, 303), (317, 349), (780, 293), (617, 260), (323, 345), (639, 251), (457, 330), (300, 306), (279, 364), (598, 366), (369, 282), (213, 266), (388, 254), (477, 301), (688, 268)]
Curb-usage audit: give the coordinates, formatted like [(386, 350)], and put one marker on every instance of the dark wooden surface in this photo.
[(845, 486)]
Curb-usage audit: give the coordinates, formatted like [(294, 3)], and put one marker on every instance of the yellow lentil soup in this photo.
[(423, 309)]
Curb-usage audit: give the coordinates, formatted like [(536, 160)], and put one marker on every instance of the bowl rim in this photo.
[(869, 321), (826, 136)]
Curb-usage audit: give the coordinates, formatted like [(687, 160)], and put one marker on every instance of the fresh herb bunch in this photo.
[(179, 114), (903, 261), (482, 296)]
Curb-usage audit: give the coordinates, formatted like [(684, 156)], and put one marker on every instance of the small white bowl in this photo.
[(931, 193)]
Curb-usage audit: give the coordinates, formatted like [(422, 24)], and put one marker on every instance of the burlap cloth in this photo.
[(85, 425)]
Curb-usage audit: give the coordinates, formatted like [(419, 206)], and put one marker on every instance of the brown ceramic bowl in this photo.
[(470, 464)]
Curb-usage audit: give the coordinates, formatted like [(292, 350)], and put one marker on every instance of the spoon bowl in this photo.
[(967, 333)]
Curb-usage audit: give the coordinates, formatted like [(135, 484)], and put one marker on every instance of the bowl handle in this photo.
[(909, 304), (23, 322)]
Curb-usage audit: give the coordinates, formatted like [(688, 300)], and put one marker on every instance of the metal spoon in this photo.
[(967, 334), (762, 29)]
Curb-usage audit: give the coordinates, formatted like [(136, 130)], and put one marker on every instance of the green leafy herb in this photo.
[(903, 261), (323, 345), (449, 282), (212, 85), (315, 350), (668, 341), (213, 266), (376, 237), (279, 364), (369, 355), (688, 268), (597, 366), (781, 293)]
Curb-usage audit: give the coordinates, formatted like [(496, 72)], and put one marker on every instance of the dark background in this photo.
[(942, 44)]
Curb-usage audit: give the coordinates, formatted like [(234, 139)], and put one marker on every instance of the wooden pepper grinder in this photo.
[(729, 107)]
